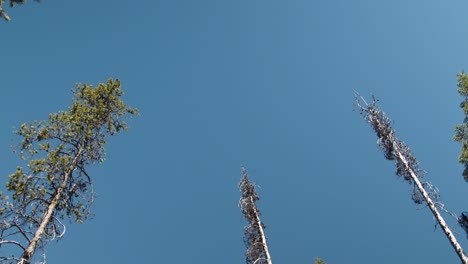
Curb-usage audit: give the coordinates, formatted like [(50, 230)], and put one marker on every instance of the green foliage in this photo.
[(461, 130), (58, 152), (319, 261)]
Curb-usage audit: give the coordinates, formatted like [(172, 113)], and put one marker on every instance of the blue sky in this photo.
[(265, 84)]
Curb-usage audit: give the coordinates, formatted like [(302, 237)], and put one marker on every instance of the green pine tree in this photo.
[(55, 185), (319, 261), (461, 131)]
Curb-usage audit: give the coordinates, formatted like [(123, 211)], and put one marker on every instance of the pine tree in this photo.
[(319, 261), (55, 185), (461, 131)]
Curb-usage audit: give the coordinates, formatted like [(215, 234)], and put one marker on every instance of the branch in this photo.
[(4, 14), (17, 260), (12, 2), (21, 231), (12, 242), (64, 229)]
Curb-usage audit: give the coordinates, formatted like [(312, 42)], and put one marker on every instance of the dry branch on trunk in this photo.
[(407, 166), (254, 233)]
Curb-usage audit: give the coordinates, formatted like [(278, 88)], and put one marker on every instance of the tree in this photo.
[(55, 185), (319, 261), (408, 167), (461, 131), (12, 3), (254, 233)]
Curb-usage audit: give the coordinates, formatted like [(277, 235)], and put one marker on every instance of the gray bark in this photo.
[(407, 165), (29, 252), (254, 233)]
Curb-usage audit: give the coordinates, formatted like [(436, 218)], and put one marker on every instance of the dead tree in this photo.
[(3, 14), (254, 233), (407, 166)]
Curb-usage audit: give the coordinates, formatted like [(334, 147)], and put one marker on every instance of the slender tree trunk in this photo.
[(396, 150), (29, 252), (433, 207), (254, 233), (262, 234)]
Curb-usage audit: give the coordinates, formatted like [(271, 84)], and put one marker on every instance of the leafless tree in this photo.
[(254, 233), (407, 166)]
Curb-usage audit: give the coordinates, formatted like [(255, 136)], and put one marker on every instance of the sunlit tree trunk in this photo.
[(55, 184), (254, 233), (29, 252), (407, 166)]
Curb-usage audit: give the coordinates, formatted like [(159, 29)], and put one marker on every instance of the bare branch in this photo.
[(12, 242), (21, 230)]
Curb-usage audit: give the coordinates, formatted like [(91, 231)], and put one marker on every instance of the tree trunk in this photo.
[(433, 207), (407, 165), (29, 252), (262, 233)]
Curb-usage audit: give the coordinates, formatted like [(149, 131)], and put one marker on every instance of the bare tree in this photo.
[(254, 233), (56, 185), (407, 166), (3, 14)]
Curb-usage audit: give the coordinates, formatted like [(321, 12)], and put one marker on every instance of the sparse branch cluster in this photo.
[(407, 167), (392, 147), (254, 235), (56, 185)]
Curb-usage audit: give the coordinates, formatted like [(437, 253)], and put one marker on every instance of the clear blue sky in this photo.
[(263, 83)]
